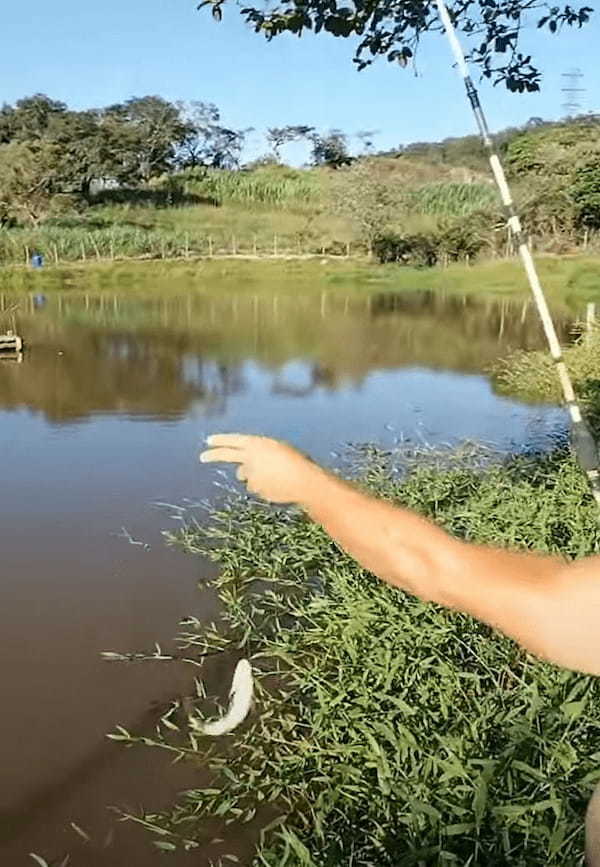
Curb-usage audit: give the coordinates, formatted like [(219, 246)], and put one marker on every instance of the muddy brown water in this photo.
[(101, 420)]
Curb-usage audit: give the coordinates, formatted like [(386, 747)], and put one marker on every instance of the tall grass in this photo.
[(174, 236), (448, 199), (532, 375), (388, 731), (277, 210), (281, 187), (58, 244)]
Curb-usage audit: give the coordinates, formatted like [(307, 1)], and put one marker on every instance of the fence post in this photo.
[(97, 248), (254, 245), (83, 250), (27, 255), (187, 245), (210, 246), (274, 245), (233, 246), (347, 249), (55, 253), (590, 318), (501, 326)]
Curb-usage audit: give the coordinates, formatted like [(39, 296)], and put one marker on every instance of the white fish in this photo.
[(241, 692)]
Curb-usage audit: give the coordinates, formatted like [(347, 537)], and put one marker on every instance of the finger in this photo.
[(230, 456), (232, 440), (241, 474)]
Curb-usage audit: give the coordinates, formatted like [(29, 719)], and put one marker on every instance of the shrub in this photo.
[(419, 250)]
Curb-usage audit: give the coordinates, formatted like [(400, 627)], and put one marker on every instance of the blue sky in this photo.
[(96, 53)]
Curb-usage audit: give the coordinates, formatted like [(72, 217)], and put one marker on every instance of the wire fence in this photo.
[(126, 243)]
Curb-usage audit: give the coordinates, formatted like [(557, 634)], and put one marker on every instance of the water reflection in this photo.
[(158, 357), (151, 377)]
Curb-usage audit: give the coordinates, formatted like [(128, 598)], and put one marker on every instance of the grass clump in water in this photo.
[(388, 731), (532, 375)]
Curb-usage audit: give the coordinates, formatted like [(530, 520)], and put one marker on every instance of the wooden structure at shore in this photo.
[(11, 343)]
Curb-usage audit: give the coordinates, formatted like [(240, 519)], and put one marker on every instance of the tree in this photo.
[(395, 29), (331, 149), (585, 193), (28, 178), (206, 141), (29, 119), (147, 131), (366, 137), (278, 136), (226, 147), (554, 150), (362, 193), (559, 165), (87, 152)]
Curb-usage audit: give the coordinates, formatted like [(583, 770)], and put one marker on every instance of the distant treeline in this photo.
[(95, 183)]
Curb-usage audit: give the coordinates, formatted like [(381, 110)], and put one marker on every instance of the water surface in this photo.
[(101, 420)]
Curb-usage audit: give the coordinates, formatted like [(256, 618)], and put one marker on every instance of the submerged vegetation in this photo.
[(388, 731)]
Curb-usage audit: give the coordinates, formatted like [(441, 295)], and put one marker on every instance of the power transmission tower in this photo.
[(572, 92)]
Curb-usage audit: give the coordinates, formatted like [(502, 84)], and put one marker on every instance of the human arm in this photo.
[(550, 607)]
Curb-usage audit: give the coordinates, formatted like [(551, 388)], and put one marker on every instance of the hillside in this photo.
[(425, 204)]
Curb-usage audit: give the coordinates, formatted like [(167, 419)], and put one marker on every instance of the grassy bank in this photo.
[(569, 281), (120, 231), (388, 731)]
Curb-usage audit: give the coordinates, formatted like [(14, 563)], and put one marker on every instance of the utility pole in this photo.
[(572, 92)]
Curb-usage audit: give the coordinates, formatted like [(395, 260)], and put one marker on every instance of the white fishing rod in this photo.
[(582, 439)]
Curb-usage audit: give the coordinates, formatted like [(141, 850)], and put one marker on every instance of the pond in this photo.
[(101, 421)]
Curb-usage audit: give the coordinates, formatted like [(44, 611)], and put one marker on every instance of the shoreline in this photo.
[(568, 280)]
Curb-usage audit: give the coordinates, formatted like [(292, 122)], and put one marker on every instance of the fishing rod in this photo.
[(583, 442)]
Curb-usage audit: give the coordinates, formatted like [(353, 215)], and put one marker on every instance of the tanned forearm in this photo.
[(502, 588), (550, 607)]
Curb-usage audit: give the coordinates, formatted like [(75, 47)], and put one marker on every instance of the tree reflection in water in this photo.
[(89, 354)]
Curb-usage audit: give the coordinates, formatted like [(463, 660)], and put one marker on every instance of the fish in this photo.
[(241, 693)]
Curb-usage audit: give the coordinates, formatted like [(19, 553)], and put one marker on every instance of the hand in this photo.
[(271, 469)]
